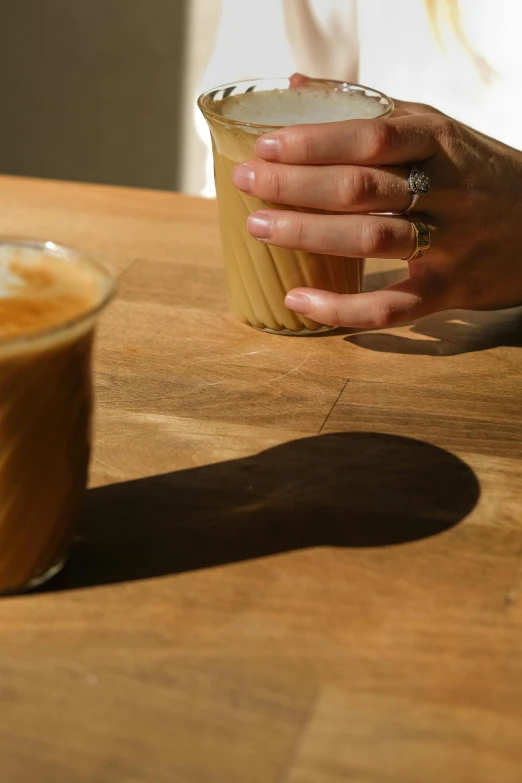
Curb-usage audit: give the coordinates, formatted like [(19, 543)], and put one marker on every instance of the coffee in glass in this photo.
[(50, 300)]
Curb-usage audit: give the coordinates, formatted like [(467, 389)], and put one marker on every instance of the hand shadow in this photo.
[(345, 490), (452, 332)]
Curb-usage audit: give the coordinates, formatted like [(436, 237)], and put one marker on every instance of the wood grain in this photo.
[(300, 560)]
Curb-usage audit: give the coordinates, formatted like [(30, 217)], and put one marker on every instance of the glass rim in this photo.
[(28, 339), (210, 114)]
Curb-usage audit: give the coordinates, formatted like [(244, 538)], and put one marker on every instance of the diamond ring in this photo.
[(419, 184)]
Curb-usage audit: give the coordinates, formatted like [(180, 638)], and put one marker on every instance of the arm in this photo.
[(327, 48)]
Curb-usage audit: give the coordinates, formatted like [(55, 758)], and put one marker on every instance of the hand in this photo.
[(359, 167)]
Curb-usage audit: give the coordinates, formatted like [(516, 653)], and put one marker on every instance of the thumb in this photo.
[(298, 80)]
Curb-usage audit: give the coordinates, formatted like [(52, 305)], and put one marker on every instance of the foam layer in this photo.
[(40, 291), (299, 107)]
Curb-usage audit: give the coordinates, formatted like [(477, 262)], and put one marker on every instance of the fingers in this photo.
[(333, 188), (354, 236), (400, 303), (391, 141)]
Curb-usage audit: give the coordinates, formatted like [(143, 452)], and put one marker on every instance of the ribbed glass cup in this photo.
[(259, 275)]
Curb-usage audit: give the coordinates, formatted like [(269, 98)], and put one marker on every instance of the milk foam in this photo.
[(40, 291), (10, 283), (299, 107), (34, 274)]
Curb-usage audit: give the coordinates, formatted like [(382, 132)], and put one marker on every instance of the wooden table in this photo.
[(301, 558)]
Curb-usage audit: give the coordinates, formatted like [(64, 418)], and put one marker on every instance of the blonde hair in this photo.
[(451, 9)]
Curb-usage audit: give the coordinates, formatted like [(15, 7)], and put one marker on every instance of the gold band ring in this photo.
[(422, 239)]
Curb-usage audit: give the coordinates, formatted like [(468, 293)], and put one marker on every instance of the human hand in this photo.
[(359, 167)]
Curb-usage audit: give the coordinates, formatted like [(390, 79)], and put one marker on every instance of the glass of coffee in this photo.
[(259, 275), (50, 300)]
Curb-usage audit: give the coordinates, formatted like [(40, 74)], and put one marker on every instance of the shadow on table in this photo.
[(346, 490), (451, 333)]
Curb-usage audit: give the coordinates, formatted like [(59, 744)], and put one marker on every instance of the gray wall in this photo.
[(92, 90)]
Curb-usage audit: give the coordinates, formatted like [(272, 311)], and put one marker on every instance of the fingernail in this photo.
[(299, 303), (260, 225), (244, 177), (268, 147)]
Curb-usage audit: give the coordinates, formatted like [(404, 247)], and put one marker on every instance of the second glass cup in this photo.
[(45, 403), (259, 275)]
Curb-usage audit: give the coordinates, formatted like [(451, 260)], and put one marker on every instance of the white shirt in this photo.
[(397, 51)]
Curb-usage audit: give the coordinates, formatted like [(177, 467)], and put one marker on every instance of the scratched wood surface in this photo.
[(300, 560)]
